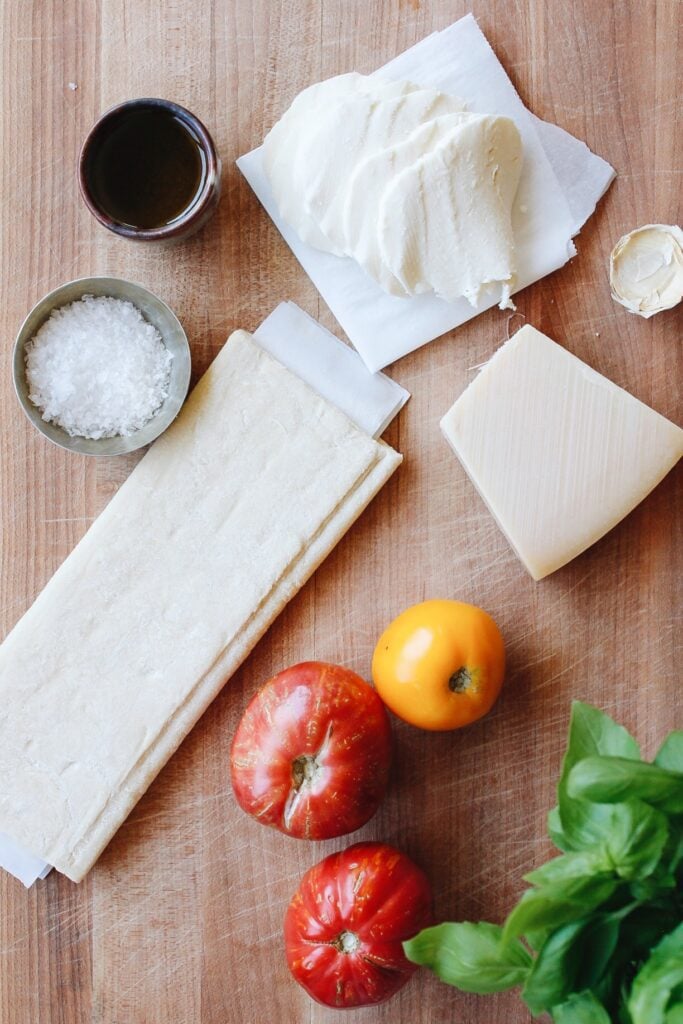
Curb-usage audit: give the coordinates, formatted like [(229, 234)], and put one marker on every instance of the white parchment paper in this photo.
[(20, 862), (336, 372)]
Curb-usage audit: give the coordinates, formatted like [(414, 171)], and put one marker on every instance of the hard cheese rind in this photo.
[(216, 529), (559, 453)]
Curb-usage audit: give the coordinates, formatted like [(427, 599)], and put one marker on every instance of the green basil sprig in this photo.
[(598, 937)]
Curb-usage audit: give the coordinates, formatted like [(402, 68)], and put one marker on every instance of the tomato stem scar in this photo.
[(304, 769), (460, 680), (346, 942)]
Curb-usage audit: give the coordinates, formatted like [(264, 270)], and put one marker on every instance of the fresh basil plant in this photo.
[(598, 938)]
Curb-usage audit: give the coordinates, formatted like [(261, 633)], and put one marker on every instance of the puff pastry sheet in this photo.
[(218, 526)]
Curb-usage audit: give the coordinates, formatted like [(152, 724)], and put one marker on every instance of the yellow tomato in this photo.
[(440, 664)]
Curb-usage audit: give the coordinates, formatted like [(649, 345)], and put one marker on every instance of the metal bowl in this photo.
[(155, 312)]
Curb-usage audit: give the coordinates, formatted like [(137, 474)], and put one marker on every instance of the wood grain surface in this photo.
[(180, 921)]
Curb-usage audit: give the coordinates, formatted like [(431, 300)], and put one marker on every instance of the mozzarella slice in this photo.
[(445, 222), (352, 130), (291, 149), (364, 193)]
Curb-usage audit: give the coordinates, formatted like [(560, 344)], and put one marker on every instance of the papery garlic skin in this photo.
[(646, 269)]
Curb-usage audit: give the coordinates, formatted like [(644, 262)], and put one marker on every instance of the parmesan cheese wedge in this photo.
[(559, 453), (215, 530)]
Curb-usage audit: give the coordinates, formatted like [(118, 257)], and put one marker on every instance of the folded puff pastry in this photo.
[(218, 526)]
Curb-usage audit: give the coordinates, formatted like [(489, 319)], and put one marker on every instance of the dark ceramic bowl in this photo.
[(201, 206)]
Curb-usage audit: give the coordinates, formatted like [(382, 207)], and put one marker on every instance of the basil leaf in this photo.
[(661, 973), (535, 937), (553, 906), (599, 941), (554, 972), (470, 956), (584, 824), (674, 1011), (570, 872), (611, 780), (582, 1008), (644, 929), (555, 830), (575, 957), (569, 867), (637, 839), (670, 754), (674, 852), (640, 929), (649, 890)]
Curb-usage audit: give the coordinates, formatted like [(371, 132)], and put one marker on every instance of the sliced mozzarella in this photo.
[(291, 150), (352, 130), (367, 184), (445, 221)]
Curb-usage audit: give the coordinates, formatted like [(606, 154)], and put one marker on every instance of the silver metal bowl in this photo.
[(153, 310)]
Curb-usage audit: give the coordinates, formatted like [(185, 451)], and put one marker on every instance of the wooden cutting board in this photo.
[(180, 921)]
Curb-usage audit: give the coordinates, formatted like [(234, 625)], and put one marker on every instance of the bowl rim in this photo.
[(192, 216), (91, 445)]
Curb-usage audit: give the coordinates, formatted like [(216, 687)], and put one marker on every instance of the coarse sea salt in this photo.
[(97, 368)]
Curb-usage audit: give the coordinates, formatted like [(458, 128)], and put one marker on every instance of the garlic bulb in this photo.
[(646, 269)]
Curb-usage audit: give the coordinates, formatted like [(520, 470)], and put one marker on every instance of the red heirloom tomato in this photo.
[(345, 926), (311, 754)]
